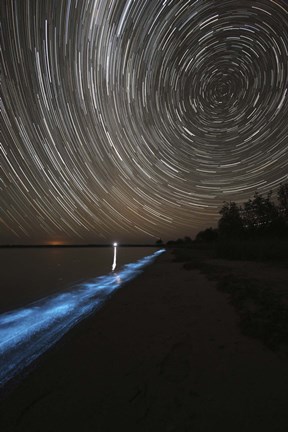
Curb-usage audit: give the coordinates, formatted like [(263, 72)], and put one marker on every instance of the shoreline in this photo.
[(28, 332), (165, 352), (45, 272)]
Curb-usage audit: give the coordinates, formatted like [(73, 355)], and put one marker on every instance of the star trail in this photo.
[(136, 119)]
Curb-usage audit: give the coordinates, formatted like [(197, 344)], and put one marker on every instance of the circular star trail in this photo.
[(137, 119)]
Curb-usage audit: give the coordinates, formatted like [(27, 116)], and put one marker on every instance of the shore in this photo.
[(165, 353)]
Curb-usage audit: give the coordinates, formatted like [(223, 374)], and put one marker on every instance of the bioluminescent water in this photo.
[(28, 332)]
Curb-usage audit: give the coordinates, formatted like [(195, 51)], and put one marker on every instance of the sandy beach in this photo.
[(165, 353)]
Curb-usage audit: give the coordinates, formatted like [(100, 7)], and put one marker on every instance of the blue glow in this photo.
[(27, 333)]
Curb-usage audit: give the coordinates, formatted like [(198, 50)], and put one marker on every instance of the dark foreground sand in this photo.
[(164, 354)]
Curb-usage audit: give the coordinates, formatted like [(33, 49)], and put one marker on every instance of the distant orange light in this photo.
[(55, 243)]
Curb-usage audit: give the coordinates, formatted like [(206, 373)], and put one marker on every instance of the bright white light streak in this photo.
[(115, 255), (27, 333)]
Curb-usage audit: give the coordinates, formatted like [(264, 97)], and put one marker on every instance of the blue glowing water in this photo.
[(28, 275), (28, 332)]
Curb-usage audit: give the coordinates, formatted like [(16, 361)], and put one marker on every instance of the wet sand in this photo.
[(165, 353)]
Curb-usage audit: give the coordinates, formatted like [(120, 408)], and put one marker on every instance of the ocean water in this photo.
[(27, 331), (31, 274)]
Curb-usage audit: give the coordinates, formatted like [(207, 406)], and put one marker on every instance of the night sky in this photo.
[(133, 120)]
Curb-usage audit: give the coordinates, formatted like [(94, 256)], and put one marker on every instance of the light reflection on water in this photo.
[(28, 332), (62, 268)]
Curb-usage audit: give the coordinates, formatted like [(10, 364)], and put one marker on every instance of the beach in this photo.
[(164, 353)]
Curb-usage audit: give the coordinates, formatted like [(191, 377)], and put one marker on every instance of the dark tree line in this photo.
[(208, 235), (257, 217)]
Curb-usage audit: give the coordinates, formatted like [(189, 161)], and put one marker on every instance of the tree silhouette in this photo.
[(259, 216), (230, 224), (207, 235), (282, 195), (187, 239)]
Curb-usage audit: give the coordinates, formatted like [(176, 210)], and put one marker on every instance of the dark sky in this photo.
[(133, 120)]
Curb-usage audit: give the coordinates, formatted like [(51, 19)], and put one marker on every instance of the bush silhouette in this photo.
[(258, 217)]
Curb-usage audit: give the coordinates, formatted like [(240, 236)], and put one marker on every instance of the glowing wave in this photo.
[(27, 333)]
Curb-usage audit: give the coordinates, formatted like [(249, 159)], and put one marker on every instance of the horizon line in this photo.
[(79, 245)]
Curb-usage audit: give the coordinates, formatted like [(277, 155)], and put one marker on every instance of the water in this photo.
[(27, 332), (31, 274)]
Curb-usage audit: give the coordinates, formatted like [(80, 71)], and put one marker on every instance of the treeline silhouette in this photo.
[(257, 229), (258, 217)]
